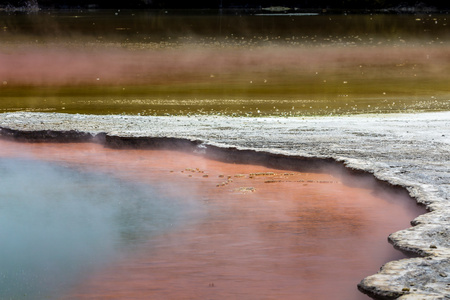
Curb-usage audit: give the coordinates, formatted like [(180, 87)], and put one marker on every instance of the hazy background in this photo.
[(179, 62)]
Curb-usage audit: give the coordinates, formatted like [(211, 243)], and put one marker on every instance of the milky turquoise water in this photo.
[(57, 224)]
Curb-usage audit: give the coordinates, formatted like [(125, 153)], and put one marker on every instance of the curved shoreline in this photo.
[(410, 151)]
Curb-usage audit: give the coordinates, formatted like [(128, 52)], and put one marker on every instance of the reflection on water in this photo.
[(151, 62), (247, 232), (57, 224)]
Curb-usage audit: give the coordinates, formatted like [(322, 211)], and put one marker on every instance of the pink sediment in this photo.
[(260, 233)]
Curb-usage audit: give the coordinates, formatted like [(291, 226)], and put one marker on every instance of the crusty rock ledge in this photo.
[(407, 150)]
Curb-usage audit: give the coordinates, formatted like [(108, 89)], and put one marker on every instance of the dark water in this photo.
[(202, 62), (146, 26), (57, 224)]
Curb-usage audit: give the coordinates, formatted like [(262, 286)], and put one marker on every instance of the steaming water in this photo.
[(57, 224), (152, 62), (70, 234)]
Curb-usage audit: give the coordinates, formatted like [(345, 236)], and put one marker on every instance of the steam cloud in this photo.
[(57, 224)]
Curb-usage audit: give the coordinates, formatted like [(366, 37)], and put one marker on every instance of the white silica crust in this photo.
[(408, 150)]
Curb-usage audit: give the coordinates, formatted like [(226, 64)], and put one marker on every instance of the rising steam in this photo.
[(56, 224)]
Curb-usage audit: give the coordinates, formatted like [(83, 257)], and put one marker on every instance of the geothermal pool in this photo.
[(106, 223), (83, 221)]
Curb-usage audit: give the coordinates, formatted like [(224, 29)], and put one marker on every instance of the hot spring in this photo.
[(87, 221), (80, 221)]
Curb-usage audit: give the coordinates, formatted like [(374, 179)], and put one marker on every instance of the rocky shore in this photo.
[(405, 150)]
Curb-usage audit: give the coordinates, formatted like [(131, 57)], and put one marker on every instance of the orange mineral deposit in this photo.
[(255, 232)]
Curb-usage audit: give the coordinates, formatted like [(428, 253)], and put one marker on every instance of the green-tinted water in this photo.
[(158, 62), (58, 224)]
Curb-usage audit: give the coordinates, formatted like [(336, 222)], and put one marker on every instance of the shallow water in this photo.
[(58, 224), (178, 63), (240, 231)]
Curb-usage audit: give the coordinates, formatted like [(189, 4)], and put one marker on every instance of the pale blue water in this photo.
[(58, 224)]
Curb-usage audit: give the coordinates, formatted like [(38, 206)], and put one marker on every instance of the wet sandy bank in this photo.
[(410, 151)]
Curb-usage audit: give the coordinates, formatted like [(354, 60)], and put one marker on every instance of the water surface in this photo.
[(173, 225), (252, 237), (198, 62), (58, 224)]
